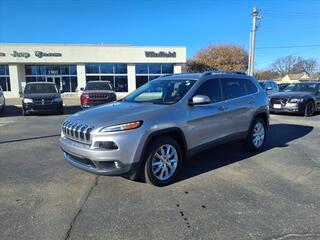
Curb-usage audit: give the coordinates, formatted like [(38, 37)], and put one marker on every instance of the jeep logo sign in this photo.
[(161, 54)]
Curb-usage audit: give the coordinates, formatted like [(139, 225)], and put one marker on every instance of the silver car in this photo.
[(2, 101), (150, 133)]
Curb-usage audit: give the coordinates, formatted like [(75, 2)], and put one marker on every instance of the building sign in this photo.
[(161, 54), (20, 54), (38, 54), (2, 54)]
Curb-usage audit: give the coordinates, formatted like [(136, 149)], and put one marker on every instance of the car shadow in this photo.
[(14, 111), (279, 135)]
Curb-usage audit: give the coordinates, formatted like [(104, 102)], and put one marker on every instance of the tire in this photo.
[(60, 111), (309, 109), (156, 168), (24, 112), (257, 131)]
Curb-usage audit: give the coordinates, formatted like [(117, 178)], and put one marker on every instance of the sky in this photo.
[(195, 24)]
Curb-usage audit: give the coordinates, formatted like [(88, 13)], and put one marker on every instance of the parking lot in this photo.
[(223, 193)]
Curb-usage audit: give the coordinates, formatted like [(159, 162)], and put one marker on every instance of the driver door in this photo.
[(206, 123)]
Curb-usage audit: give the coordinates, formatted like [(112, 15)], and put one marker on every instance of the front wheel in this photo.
[(257, 135), (309, 109), (163, 161)]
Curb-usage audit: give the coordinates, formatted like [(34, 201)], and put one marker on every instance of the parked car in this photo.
[(302, 98), (269, 86), (39, 97), (96, 93), (282, 86), (2, 101), (152, 131)]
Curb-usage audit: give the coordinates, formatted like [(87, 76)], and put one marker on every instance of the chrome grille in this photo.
[(42, 101), (77, 131), (98, 96), (281, 101)]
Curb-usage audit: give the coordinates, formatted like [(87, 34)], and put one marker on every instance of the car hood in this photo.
[(290, 94), (117, 113), (41, 95)]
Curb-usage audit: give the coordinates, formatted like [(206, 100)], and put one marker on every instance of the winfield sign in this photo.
[(38, 54), (161, 54)]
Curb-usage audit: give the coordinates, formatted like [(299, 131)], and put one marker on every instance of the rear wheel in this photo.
[(163, 161), (257, 135), (309, 109)]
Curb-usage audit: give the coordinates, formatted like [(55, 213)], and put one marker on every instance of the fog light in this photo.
[(108, 145), (116, 164)]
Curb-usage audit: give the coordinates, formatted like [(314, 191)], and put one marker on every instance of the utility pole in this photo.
[(255, 17)]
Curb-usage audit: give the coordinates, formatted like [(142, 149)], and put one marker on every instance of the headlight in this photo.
[(295, 100), (27, 100), (122, 127), (57, 99)]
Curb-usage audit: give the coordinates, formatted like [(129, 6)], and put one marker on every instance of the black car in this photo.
[(302, 98), (41, 97)]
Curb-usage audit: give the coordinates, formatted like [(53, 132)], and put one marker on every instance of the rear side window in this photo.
[(212, 89), (250, 86), (233, 88)]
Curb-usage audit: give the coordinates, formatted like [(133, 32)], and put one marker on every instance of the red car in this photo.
[(96, 93)]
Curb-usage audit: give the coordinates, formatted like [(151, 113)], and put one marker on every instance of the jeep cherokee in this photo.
[(151, 132)]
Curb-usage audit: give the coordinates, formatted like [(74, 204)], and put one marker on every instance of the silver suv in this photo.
[(152, 131)]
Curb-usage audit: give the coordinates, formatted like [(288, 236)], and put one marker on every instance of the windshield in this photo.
[(40, 88), (301, 87), (98, 86), (161, 91)]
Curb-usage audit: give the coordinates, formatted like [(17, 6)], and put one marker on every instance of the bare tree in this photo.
[(284, 65), (266, 74), (306, 65), (219, 57)]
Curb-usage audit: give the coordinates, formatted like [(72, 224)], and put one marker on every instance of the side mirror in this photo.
[(200, 100), (81, 89), (269, 88)]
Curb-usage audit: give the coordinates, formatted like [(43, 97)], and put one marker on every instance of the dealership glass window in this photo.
[(115, 73), (65, 76), (5, 78), (148, 72)]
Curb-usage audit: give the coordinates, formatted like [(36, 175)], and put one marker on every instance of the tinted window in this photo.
[(106, 68), (233, 88), (250, 86), (210, 88), (155, 68), (167, 68), (102, 85), (140, 80), (141, 68), (40, 88), (92, 68)]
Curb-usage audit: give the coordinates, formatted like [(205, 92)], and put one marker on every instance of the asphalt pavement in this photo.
[(222, 193)]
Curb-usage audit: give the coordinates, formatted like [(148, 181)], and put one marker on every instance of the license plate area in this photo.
[(277, 106)]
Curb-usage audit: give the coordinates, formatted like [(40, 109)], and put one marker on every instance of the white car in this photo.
[(2, 101)]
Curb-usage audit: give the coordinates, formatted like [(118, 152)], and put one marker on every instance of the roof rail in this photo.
[(207, 73)]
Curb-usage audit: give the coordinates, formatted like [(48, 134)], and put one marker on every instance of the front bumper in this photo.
[(35, 108), (110, 162), (287, 108), (95, 103)]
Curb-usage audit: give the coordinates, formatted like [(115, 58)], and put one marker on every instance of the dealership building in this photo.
[(71, 66)]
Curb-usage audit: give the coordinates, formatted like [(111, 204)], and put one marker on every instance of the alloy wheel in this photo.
[(165, 162), (258, 135)]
